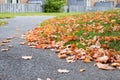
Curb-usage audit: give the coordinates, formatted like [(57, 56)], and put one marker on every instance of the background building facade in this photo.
[(13, 1)]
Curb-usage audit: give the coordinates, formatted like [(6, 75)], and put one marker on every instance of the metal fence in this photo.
[(82, 6), (77, 8), (15, 8)]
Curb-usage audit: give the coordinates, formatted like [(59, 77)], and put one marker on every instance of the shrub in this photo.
[(53, 5)]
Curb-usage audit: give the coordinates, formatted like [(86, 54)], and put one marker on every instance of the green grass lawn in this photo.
[(2, 22), (11, 15)]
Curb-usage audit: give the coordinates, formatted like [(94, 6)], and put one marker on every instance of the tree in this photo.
[(53, 5)]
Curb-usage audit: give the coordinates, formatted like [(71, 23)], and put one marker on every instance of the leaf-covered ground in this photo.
[(93, 36)]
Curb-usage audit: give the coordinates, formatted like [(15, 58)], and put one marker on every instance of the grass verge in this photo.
[(2, 22), (11, 15)]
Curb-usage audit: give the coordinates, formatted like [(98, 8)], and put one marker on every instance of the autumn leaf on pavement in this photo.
[(70, 59), (48, 79), (27, 57), (6, 41), (4, 50), (39, 79), (63, 71), (87, 60), (115, 64), (32, 46), (22, 43), (62, 56), (2, 44), (10, 46), (23, 36), (82, 70), (104, 66), (103, 59), (9, 38)]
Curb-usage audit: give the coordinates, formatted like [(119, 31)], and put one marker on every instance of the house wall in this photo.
[(2, 1), (115, 2), (23, 1), (93, 2), (118, 1)]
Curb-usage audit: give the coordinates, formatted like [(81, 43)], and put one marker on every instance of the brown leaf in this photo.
[(82, 70), (102, 59), (6, 41), (104, 46), (27, 57), (104, 66), (10, 46), (38, 46), (118, 68), (22, 43), (69, 52), (117, 57), (63, 71), (70, 59), (32, 43), (62, 56), (4, 50), (112, 21), (55, 50), (2, 44), (48, 79), (73, 46), (87, 59), (9, 38), (94, 46), (63, 51), (23, 36), (32, 46), (39, 79), (115, 64)]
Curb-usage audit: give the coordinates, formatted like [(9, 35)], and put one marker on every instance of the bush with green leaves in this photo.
[(53, 5)]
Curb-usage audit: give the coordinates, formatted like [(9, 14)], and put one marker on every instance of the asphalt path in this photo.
[(45, 64)]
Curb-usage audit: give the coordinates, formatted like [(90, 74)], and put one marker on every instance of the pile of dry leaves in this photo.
[(80, 37)]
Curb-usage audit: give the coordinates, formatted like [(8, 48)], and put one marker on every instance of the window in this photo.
[(102, 0), (88, 2), (9, 1)]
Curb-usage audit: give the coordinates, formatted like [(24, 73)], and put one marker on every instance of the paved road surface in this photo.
[(45, 62)]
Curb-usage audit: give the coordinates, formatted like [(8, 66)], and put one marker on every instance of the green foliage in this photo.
[(79, 33), (77, 42), (53, 5), (115, 44)]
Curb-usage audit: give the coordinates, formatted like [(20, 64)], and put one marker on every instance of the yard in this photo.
[(93, 36), (71, 32), (83, 39)]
